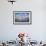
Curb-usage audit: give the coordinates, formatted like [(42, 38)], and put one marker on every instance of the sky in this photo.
[(22, 14)]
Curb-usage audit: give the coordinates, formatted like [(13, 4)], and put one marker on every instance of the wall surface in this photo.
[(37, 30)]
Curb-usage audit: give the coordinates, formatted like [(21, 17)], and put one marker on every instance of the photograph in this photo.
[(22, 17)]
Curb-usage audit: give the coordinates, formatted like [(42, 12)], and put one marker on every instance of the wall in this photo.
[(9, 31)]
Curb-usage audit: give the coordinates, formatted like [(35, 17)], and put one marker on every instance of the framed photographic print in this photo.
[(22, 17)]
